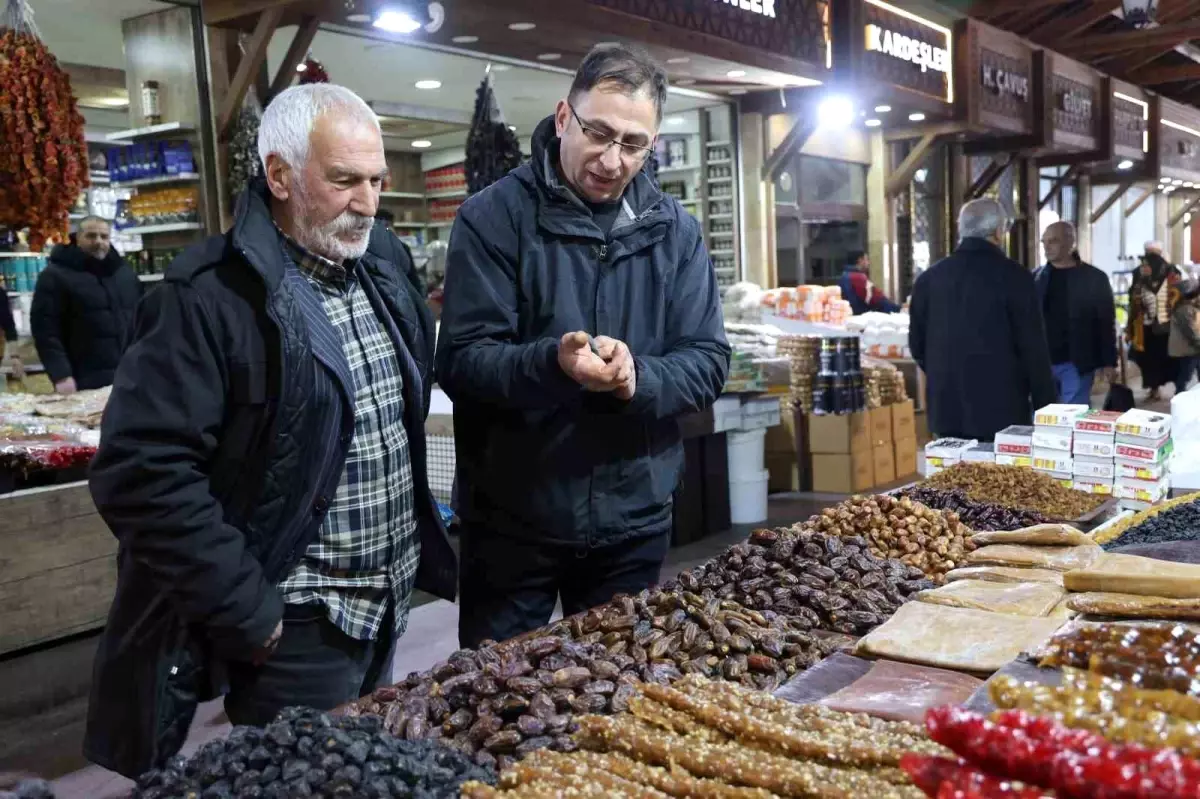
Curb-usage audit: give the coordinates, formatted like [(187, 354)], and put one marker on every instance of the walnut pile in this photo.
[(900, 529), (1017, 487)]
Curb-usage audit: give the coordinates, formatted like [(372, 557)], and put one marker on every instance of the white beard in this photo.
[(326, 241)]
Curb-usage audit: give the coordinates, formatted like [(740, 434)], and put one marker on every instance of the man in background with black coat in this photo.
[(83, 309), (1077, 303), (976, 330), (262, 462), (568, 447)]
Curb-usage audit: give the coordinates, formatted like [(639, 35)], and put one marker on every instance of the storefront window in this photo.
[(824, 181)]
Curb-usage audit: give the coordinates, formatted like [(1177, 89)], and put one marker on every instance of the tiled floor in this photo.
[(432, 635)]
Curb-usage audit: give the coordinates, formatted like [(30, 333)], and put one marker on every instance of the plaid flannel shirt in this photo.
[(366, 555)]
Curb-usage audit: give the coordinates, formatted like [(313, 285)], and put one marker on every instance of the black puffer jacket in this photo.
[(538, 457), (82, 315), (217, 459)]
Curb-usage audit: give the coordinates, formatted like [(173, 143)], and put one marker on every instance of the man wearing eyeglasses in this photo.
[(581, 317)]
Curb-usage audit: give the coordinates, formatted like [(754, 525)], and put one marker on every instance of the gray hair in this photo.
[(1155, 246), (981, 219), (93, 218), (287, 124)]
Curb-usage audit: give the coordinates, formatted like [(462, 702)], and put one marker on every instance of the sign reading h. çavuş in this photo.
[(764, 7)]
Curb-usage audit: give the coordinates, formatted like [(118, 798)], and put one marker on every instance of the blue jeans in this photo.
[(1073, 388)]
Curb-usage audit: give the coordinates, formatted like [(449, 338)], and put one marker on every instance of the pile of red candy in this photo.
[(1029, 757)]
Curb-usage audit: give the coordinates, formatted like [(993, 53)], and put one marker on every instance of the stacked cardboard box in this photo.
[(981, 453), (904, 437), (1014, 446), (1143, 450), (1094, 448), (946, 452), (857, 451), (1053, 436)]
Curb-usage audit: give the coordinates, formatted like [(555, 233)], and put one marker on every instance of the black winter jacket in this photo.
[(1093, 339), (82, 315), (538, 456), (976, 329), (214, 468)]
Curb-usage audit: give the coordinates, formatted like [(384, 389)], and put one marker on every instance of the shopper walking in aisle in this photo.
[(1152, 298), (1077, 305), (83, 309), (1184, 342), (568, 448), (263, 454), (859, 291), (976, 330)]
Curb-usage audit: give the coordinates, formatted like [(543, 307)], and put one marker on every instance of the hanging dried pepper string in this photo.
[(43, 151)]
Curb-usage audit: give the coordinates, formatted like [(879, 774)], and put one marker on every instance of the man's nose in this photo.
[(611, 159), (365, 200)]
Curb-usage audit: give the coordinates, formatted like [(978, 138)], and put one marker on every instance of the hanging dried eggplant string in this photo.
[(43, 152), (244, 163), (492, 148)]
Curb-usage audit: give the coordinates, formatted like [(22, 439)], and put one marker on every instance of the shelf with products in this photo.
[(720, 191), (150, 132), (447, 195), (171, 227), (158, 180)]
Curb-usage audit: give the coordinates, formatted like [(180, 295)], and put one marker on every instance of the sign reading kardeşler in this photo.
[(897, 45)]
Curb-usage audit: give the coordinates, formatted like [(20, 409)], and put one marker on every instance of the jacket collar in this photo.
[(72, 257), (976, 244), (562, 211)]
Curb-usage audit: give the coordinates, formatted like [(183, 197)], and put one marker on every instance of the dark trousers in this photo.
[(1188, 367), (509, 586), (315, 664)]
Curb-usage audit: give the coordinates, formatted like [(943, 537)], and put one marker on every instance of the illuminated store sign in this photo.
[(764, 7), (925, 55)]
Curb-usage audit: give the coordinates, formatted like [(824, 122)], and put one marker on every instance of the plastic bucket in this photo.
[(747, 450), (748, 498)]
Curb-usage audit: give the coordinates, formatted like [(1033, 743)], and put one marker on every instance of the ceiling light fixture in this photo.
[(873, 123), (465, 39), (359, 18), (113, 102), (549, 56), (422, 144), (428, 85), (917, 117), (736, 73), (607, 44), (882, 109), (302, 67), (1176, 182), (1139, 13), (1189, 185), (522, 26), (1126, 164), (675, 120), (835, 112), (396, 22), (679, 60)]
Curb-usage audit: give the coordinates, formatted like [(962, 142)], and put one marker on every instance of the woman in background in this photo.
[(1184, 344), (1152, 297)]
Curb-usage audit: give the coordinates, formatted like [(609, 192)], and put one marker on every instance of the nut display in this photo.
[(899, 528), (1120, 711), (1016, 487), (309, 753), (742, 745), (979, 516), (667, 634), (816, 581), (1179, 522), (1157, 656)]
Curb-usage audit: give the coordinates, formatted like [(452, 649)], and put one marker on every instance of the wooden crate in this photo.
[(58, 566)]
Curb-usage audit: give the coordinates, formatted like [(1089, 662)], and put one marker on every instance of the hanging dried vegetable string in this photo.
[(43, 152)]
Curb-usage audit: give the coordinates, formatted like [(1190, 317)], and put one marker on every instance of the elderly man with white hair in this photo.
[(977, 331), (263, 455)]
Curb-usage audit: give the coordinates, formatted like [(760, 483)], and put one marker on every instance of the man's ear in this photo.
[(279, 177), (562, 118)]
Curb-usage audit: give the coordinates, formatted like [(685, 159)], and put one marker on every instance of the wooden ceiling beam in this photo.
[(899, 180), (1164, 36), (1102, 209), (297, 52), (1184, 211), (1179, 11), (1076, 24), (802, 130), (1155, 76), (994, 9), (252, 61)]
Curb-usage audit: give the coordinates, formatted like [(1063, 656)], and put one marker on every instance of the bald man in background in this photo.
[(1077, 305)]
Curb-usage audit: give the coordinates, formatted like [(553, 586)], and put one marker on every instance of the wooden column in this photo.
[(759, 265)]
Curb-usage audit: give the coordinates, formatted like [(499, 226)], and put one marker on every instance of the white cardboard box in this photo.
[(1098, 422), (1015, 460), (1094, 468), (1058, 415), (1145, 424), (1142, 491), (1091, 487), (1094, 445), (980, 453), (949, 448), (1143, 454), (1051, 460), (1015, 440), (761, 413), (1058, 438), (1137, 470)]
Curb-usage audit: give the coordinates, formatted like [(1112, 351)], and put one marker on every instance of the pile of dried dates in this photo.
[(929, 540), (502, 702), (979, 516), (814, 581)]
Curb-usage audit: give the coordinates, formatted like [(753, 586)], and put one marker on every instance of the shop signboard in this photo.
[(1178, 145), (994, 74), (885, 44), (1072, 104), (1129, 110), (790, 28)]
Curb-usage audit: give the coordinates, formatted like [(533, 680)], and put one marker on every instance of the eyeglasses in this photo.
[(603, 140)]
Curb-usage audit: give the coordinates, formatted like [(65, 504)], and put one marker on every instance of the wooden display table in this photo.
[(58, 567)]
